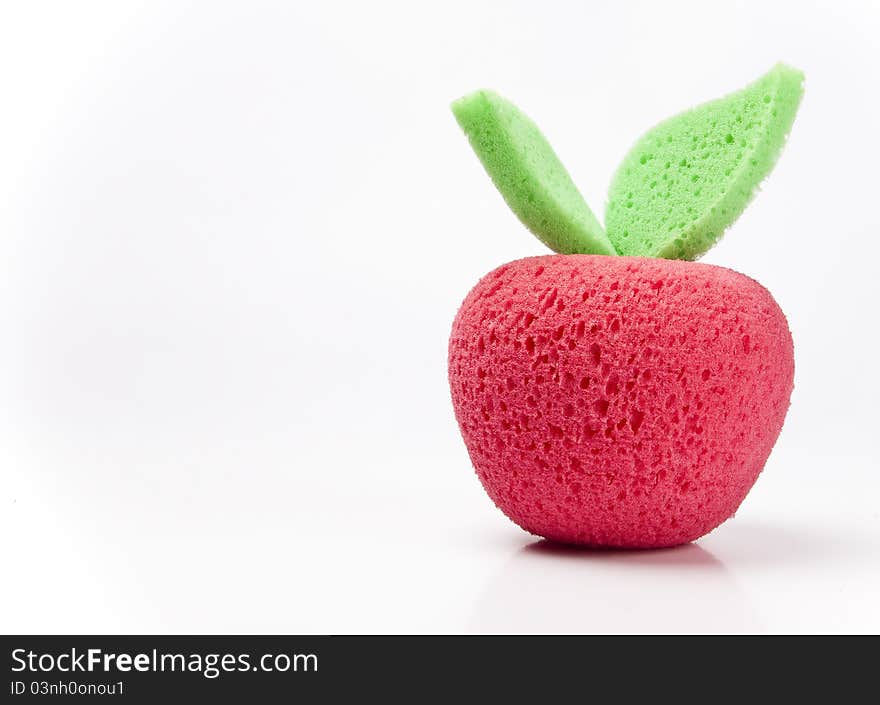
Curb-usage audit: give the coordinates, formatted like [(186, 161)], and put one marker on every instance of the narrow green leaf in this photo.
[(529, 175)]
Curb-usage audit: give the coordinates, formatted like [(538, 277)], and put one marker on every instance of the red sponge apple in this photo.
[(619, 401)]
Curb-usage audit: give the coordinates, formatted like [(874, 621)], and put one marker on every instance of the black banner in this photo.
[(150, 669)]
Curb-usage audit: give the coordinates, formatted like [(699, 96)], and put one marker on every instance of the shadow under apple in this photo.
[(554, 588)]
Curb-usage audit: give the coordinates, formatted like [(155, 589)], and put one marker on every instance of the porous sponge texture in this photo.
[(619, 401), (529, 175), (690, 177)]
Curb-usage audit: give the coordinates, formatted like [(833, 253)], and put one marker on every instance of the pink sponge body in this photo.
[(619, 401)]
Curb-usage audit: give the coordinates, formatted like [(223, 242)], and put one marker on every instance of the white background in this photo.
[(232, 241)]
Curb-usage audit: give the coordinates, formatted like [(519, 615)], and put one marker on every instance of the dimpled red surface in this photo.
[(619, 401)]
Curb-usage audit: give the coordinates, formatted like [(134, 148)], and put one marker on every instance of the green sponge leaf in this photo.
[(529, 175), (690, 177)]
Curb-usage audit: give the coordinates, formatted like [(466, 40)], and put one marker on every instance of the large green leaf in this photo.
[(690, 177)]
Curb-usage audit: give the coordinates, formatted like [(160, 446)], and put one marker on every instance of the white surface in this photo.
[(232, 241)]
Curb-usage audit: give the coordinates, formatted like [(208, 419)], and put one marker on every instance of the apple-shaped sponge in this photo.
[(619, 401), (626, 401)]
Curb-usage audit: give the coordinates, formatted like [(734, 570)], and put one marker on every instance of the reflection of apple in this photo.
[(619, 401)]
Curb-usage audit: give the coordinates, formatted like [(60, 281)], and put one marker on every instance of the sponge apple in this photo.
[(616, 400)]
